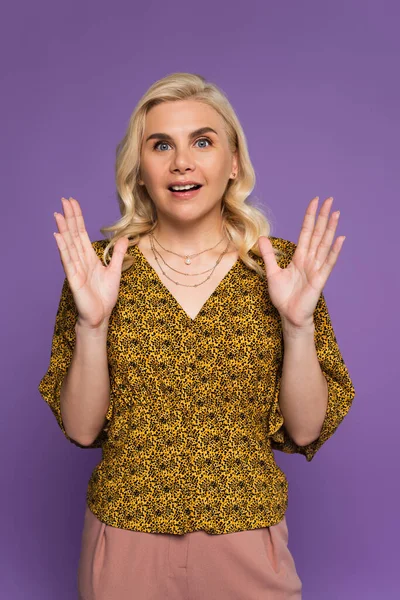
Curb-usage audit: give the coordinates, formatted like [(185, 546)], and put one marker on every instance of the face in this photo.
[(178, 152)]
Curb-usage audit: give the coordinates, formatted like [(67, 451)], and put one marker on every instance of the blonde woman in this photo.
[(189, 345)]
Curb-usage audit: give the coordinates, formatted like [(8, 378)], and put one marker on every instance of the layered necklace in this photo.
[(187, 258)]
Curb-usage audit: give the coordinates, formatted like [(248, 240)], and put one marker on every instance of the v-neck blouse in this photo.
[(153, 273), (194, 411)]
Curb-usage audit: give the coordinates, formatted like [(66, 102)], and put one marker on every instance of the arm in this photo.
[(341, 391), (85, 391), (303, 396)]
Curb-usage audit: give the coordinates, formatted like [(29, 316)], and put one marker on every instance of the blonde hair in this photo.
[(242, 221)]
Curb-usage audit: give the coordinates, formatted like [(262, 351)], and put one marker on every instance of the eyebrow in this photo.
[(193, 134)]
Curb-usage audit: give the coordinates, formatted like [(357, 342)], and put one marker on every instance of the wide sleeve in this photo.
[(62, 348), (341, 391)]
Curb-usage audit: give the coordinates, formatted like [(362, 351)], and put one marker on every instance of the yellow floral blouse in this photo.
[(194, 414)]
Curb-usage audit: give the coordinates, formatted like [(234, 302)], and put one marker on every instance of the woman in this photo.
[(170, 358)]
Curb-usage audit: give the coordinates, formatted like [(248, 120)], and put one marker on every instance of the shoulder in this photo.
[(99, 246), (283, 245), (286, 249)]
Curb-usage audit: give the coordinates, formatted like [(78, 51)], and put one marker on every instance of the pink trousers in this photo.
[(118, 564)]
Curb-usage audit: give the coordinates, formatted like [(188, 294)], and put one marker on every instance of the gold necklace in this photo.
[(187, 257), (177, 282), (176, 271)]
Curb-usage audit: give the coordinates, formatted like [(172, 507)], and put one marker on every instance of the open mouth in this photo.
[(187, 189), (185, 194)]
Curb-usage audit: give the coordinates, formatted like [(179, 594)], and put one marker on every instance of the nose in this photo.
[(182, 160)]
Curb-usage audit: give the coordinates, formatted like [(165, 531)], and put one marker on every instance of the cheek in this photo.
[(215, 167), (149, 173)]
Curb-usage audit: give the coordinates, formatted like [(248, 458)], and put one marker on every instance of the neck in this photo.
[(187, 240)]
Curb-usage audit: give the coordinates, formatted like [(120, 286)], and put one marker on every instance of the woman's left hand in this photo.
[(295, 290)]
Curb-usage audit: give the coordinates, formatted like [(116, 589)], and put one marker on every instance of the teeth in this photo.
[(183, 187)]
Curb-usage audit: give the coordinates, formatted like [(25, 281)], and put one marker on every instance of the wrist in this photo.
[(82, 328), (291, 330)]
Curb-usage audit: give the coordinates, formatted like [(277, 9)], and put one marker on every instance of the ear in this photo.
[(235, 162)]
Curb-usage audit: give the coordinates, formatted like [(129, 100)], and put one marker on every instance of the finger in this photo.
[(305, 242), (73, 228), (307, 228), (330, 262), (320, 227), (86, 245), (327, 239), (119, 252), (66, 235), (267, 251), (65, 256)]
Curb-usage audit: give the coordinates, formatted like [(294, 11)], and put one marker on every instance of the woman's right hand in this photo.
[(94, 286)]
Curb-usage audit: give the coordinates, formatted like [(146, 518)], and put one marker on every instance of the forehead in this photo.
[(182, 116)]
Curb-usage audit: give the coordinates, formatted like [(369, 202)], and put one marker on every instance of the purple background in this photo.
[(316, 87)]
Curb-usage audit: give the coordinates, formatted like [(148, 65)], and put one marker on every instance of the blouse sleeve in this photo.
[(62, 347), (340, 388)]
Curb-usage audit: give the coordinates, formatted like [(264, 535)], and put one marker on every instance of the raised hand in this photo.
[(94, 286), (295, 290)]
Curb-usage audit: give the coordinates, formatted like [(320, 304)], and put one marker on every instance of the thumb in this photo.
[(267, 252), (119, 252)]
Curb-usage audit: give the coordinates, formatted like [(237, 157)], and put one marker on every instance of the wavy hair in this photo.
[(242, 221)]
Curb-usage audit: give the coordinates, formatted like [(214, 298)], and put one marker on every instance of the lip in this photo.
[(185, 195), (184, 183)]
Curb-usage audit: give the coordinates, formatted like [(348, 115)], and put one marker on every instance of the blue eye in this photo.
[(157, 144), (204, 140)]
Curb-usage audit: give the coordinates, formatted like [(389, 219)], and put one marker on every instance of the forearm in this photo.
[(303, 397), (85, 391)]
